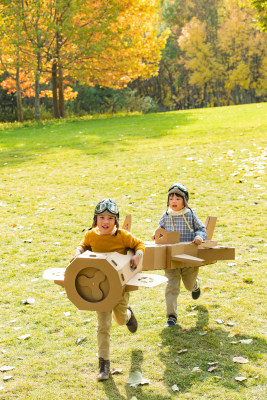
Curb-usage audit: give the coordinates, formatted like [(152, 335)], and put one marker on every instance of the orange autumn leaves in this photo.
[(96, 42)]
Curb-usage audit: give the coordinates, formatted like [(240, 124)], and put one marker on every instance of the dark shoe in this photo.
[(171, 321), (132, 323), (104, 370), (196, 292)]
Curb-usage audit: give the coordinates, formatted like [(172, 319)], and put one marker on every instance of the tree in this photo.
[(106, 42), (261, 7)]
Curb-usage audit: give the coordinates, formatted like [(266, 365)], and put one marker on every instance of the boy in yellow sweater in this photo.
[(105, 236)]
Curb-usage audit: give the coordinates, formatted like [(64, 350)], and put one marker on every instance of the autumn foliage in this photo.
[(105, 42)]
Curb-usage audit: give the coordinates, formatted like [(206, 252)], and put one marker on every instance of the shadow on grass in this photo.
[(202, 350), (113, 393), (93, 137)]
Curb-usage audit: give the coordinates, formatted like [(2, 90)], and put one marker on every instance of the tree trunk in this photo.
[(18, 94), (37, 88), (61, 92), (54, 89)]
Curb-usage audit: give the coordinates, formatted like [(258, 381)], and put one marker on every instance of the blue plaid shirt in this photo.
[(198, 229)]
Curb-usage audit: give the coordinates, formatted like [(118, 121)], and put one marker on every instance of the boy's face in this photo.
[(176, 202), (105, 223)]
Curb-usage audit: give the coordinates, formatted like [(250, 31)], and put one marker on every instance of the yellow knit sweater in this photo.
[(120, 242)]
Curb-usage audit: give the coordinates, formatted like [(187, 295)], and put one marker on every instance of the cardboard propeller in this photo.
[(96, 281), (167, 252)]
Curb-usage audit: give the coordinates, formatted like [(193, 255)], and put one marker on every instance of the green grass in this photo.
[(52, 176)]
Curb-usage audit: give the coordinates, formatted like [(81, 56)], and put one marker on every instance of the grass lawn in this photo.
[(52, 176)]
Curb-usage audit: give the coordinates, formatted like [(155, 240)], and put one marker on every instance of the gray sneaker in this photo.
[(196, 292), (132, 323), (104, 369), (171, 321)]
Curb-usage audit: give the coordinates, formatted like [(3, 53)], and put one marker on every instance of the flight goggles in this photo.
[(180, 188), (107, 205)]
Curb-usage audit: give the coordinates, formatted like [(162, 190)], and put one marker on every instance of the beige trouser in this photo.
[(120, 315), (188, 276)]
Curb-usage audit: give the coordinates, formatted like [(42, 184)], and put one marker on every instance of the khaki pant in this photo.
[(188, 276), (120, 315)]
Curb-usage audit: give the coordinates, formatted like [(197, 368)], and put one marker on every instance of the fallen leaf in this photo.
[(134, 398), (246, 341), (229, 324), (27, 240), (67, 313), (233, 333), (240, 360), (80, 340), (196, 369), (136, 379), (211, 369), (24, 337), (219, 321), (203, 333), (7, 377), (213, 363), (240, 378), (175, 388), (116, 371), (6, 368), (206, 288), (182, 351), (28, 301)]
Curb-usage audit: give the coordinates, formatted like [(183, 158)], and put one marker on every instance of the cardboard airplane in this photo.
[(97, 281), (167, 252)]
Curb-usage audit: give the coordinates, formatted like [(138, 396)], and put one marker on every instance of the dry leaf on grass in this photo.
[(246, 341), (213, 363), (196, 369), (24, 337), (182, 351), (6, 368), (80, 340), (219, 321), (28, 301), (136, 379), (233, 333), (240, 378), (229, 323), (175, 388), (116, 371), (240, 360), (211, 369), (7, 377)]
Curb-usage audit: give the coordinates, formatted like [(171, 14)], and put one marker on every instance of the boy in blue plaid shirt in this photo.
[(180, 217)]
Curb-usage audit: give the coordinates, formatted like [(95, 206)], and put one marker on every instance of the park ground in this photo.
[(52, 176)]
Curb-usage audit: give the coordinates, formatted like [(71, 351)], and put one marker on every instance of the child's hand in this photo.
[(153, 237), (135, 261), (197, 240)]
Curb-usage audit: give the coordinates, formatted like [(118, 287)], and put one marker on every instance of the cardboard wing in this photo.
[(167, 252), (97, 281)]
